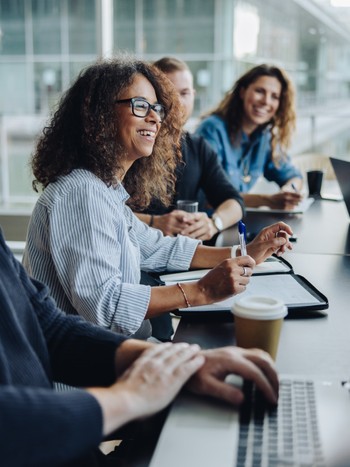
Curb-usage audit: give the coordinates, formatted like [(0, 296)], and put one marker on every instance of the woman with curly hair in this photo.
[(251, 130), (115, 138)]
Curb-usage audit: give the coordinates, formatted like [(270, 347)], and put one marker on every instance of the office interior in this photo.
[(45, 43)]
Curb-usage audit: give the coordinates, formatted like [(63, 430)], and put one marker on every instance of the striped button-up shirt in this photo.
[(89, 247)]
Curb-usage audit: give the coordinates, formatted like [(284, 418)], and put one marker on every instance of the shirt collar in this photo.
[(120, 192)]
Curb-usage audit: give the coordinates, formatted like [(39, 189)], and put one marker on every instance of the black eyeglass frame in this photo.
[(159, 109)]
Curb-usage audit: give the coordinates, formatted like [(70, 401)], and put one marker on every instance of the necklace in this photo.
[(246, 157), (246, 177)]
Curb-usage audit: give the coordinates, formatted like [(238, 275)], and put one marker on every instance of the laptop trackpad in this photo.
[(193, 425)]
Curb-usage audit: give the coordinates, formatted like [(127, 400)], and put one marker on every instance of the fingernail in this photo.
[(195, 347)]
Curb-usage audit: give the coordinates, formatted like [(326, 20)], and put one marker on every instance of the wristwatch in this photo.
[(217, 222)]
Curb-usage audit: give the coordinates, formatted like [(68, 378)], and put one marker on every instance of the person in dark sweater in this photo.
[(117, 379), (199, 176)]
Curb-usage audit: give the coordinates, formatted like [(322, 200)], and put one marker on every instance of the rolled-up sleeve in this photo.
[(159, 252), (280, 172)]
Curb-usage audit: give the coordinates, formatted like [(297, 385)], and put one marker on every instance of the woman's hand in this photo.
[(270, 240), (284, 200), (228, 278)]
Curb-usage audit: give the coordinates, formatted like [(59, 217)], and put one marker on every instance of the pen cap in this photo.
[(241, 228)]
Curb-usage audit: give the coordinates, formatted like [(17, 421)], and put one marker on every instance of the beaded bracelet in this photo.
[(183, 293)]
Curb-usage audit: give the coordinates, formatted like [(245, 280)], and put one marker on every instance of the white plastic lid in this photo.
[(259, 307)]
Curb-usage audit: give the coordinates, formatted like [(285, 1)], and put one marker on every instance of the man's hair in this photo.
[(170, 65), (84, 132)]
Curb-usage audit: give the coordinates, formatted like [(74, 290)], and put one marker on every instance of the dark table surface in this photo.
[(315, 345), (318, 346), (324, 228), (309, 345)]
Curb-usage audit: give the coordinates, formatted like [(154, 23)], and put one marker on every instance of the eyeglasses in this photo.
[(141, 108)]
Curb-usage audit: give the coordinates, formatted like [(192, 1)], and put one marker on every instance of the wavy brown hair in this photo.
[(83, 133), (230, 109)]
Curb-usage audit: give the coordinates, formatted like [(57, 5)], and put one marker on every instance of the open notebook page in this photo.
[(271, 265), (281, 286), (300, 209)]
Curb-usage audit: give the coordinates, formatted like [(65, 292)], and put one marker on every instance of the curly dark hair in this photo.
[(83, 133), (231, 110)]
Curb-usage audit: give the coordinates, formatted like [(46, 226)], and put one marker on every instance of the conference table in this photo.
[(315, 344), (324, 228)]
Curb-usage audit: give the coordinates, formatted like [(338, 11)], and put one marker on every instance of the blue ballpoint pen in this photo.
[(242, 238)]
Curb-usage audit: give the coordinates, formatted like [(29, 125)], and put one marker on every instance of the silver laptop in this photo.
[(342, 172), (309, 428)]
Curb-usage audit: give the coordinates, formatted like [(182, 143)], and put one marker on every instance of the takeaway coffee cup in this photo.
[(258, 322), (314, 181), (187, 205)]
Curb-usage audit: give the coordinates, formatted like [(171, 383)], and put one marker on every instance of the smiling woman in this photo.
[(116, 134), (251, 129), (138, 135), (88, 132)]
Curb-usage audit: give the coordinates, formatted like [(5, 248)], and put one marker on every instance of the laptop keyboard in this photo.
[(286, 435)]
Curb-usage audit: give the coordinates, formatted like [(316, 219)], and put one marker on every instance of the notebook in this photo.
[(302, 207), (308, 428), (299, 295), (271, 265), (342, 172)]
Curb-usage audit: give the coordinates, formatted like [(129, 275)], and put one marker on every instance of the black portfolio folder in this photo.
[(300, 296)]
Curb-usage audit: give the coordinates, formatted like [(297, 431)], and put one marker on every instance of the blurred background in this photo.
[(45, 43)]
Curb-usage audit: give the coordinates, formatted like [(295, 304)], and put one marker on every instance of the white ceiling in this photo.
[(341, 14)]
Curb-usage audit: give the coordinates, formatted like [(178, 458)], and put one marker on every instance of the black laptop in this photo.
[(342, 172)]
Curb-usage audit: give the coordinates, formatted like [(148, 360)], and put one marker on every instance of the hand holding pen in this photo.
[(273, 239), (287, 198), (242, 238)]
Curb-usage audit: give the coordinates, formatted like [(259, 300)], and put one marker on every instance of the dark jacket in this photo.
[(39, 344)]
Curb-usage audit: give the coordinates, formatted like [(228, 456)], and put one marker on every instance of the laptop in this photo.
[(309, 428), (342, 172)]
